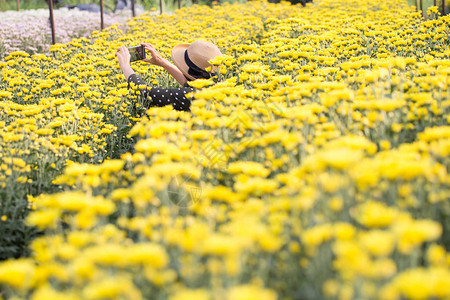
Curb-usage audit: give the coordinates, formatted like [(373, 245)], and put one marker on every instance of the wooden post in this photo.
[(160, 7), (52, 20), (133, 10), (179, 4), (443, 7), (18, 5), (102, 24), (421, 7)]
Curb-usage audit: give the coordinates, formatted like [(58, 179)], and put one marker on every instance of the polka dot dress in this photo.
[(162, 97)]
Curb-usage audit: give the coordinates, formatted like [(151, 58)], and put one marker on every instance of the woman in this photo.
[(191, 62)]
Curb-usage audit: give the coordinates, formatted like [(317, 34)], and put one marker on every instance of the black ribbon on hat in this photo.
[(194, 70)]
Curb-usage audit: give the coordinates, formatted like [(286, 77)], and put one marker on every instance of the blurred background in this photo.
[(170, 5), (425, 4), (108, 4)]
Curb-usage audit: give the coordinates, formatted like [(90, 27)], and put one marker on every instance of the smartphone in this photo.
[(137, 53)]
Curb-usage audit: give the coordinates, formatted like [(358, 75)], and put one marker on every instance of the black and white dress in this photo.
[(156, 96)]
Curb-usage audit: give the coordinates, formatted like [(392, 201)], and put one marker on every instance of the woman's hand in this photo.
[(124, 56), (156, 58)]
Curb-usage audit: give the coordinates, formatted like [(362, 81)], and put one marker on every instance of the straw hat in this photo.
[(192, 59)]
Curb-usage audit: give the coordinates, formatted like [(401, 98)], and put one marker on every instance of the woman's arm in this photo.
[(175, 72), (157, 60), (124, 61)]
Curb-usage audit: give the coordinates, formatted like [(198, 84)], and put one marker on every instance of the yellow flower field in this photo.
[(315, 167)]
